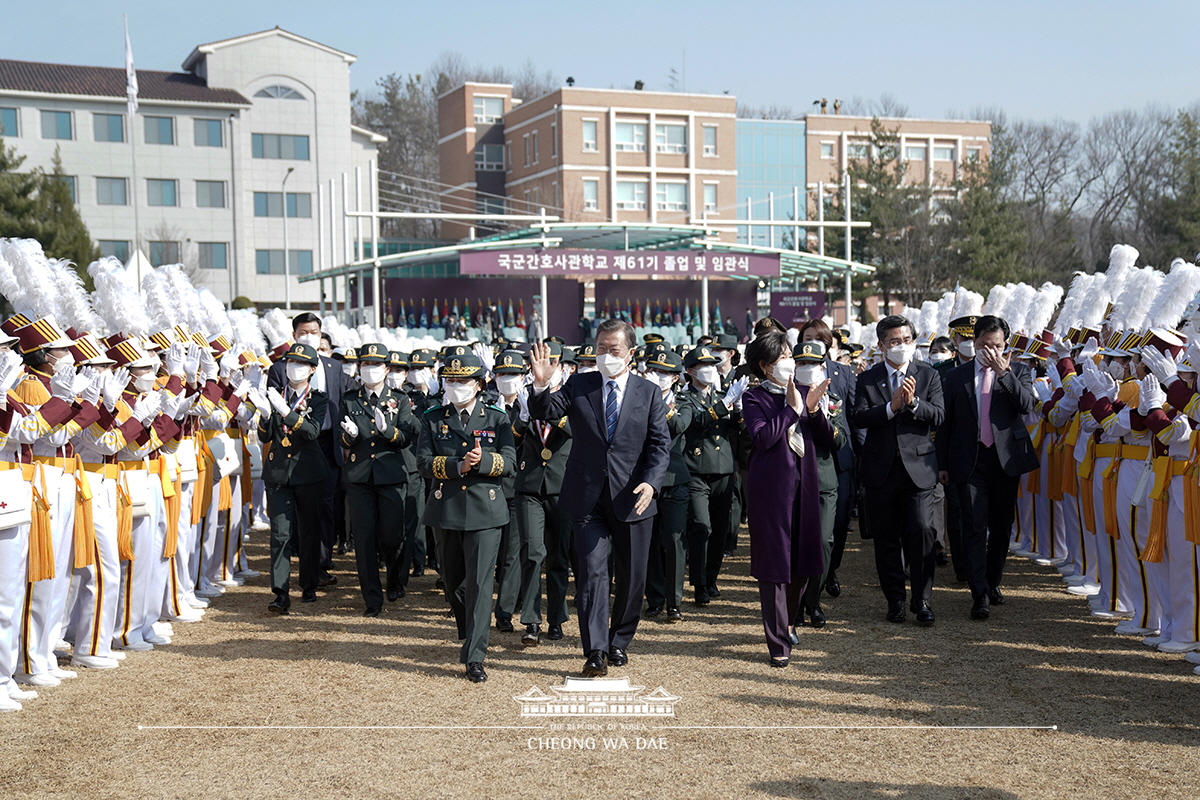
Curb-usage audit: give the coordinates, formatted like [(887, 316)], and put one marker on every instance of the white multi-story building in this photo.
[(213, 146)]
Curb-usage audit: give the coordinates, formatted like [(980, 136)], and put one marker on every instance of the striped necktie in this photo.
[(611, 411)]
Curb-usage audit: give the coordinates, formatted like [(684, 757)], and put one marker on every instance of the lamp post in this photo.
[(287, 283)]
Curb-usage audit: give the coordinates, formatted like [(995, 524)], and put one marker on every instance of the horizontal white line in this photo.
[(341, 727), (858, 727)]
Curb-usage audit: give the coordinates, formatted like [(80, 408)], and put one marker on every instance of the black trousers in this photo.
[(377, 517), (595, 535), (327, 511), (988, 503), (847, 496), (293, 511), (954, 529), (468, 560), (668, 556), (828, 501), (414, 532), (508, 567), (708, 526), (901, 517)]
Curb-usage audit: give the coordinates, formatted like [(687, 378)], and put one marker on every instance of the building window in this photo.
[(270, 204), (826, 149), (270, 262), (114, 248), (160, 130), (213, 255), (974, 153), (710, 140), (860, 150), (710, 198), (210, 194), (57, 125), (8, 122), (591, 143), (489, 205), (209, 133), (161, 192), (108, 127), (279, 145), (537, 195), (591, 194), (534, 138), (671, 196), (525, 139), (631, 136), (508, 162), (554, 140), (279, 93), (70, 182), (943, 154), (914, 152), (631, 195), (489, 109), (670, 138), (164, 253), (111, 192), (489, 157)]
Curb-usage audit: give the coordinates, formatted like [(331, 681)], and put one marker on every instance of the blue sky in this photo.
[(1036, 60)]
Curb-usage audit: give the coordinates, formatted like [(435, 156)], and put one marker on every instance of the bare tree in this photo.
[(176, 248), (772, 111), (884, 106)]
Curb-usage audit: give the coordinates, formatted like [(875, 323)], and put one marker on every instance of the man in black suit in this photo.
[(898, 404), (983, 447), (618, 460), (329, 379)]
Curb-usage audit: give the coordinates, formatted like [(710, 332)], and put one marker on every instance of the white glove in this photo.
[(253, 374), (1043, 391), (432, 385), (229, 363), (181, 404), (82, 380), (523, 402), (191, 361), (380, 419), (242, 388), (1106, 385), (277, 402), (114, 384), (1161, 367), (1090, 348), (258, 400), (91, 392), (1062, 348), (174, 359), (62, 382), (1053, 377), (736, 390), (148, 406), (208, 367), (484, 353), (8, 365), (1151, 395), (1193, 354), (349, 427)]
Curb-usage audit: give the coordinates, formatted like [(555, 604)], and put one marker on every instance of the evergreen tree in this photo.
[(19, 204), (65, 235)]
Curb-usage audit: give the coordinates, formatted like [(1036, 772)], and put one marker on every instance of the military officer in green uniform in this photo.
[(414, 502), (466, 449), (377, 427), (418, 385), (510, 379), (293, 471)]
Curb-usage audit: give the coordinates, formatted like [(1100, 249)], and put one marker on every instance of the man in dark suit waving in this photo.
[(618, 460), (983, 447), (899, 404)]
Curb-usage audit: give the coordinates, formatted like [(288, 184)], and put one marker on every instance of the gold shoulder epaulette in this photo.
[(31, 392)]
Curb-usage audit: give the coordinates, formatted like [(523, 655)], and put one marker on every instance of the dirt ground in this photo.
[(327, 703)]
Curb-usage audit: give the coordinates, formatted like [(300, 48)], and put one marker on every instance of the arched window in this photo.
[(279, 93)]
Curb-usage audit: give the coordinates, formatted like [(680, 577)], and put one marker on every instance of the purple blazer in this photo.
[(785, 531)]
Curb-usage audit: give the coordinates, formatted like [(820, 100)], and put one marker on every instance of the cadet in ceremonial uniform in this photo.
[(378, 425), (466, 449), (421, 386), (293, 471)]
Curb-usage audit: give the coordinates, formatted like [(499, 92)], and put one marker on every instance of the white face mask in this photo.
[(459, 394), (586, 368), (783, 371), (372, 374), (810, 374), (665, 380), (313, 340), (395, 380), (611, 365), (1118, 370), (510, 384), (419, 377), (966, 348), (144, 383), (901, 354), (557, 379), (297, 372), (938, 358), (348, 369), (708, 375)]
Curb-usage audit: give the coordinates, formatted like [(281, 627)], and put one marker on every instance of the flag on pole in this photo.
[(131, 87)]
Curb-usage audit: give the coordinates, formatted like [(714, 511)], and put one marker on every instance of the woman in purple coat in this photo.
[(782, 501)]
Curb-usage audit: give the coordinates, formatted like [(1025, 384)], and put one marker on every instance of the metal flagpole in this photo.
[(131, 106)]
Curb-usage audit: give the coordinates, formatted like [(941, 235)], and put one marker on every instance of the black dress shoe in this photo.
[(395, 594), (940, 559), (995, 597), (895, 612), (532, 636), (280, 604), (674, 614), (372, 611), (833, 587), (617, 657), (439, 584), (981, 609), (793, 637), (554, 633), (778, 662), (309, 596), (431, 564), (817, 616), (504, 625), (327, 580), (475, 673), (652, 612), (960, 577), (713, 591), (701, 596), (596, 664), (417, 572), (924, 615)]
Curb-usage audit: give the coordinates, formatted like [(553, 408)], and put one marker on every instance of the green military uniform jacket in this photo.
[(537, 472), (474, 501), (709, 441), (377, 457), (292, 456), (679, 419)]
